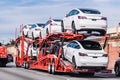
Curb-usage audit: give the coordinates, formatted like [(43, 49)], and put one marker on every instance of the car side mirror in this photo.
[(66, 15)]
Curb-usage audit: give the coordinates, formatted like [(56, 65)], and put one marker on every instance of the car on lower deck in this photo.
[(85, 54)]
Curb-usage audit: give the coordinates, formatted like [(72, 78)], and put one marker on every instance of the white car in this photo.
[(86, 54), (35, 30), (51, 26), (26, 28), (85, 20), (33, 50)]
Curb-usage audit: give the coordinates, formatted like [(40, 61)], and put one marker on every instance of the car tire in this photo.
[(27, 35), (63, 55), (62, 26), (47, 31), (40, 35), (73, 28), (33, 36), (117, 70), (74, 62)]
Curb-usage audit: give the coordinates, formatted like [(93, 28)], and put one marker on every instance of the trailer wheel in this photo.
[(27, 65), (47, 31), (117, 70), (49, 68), (17, 64), (53, 68)]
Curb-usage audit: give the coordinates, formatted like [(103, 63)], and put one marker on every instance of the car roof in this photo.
[(85, 41), (40, 24), (80, 9)]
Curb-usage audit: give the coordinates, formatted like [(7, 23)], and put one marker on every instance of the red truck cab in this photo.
[(4, 56)]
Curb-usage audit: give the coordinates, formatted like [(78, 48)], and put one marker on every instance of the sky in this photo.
[(13, 13)]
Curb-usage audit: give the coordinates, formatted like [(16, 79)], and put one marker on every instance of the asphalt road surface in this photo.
[(12, 73)]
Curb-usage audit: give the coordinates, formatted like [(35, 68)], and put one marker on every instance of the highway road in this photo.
[(12, 73)]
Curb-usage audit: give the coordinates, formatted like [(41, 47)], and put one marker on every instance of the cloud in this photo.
[(14, 13), (102, 0)]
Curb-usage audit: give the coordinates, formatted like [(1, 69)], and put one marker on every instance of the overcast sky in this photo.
[(16, 12)]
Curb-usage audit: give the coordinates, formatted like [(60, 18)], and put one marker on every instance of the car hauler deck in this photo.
[(49, 55)]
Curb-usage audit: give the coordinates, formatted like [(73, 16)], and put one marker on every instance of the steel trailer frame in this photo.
[(49, 61)]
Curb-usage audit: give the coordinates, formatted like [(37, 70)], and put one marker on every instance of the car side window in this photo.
[(76, 12), (74, 45), (70, 13), (47, 22)]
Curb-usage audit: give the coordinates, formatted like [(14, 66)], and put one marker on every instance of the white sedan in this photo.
[(35, 30), (26, 28), (51, 26), (86, 54), (88, 20)]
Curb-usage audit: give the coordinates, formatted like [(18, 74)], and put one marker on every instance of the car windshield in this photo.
[(90, 45), (90, 11)]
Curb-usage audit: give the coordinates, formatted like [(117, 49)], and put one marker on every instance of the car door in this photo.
[(74, 51), (68, 20), (67, 51)]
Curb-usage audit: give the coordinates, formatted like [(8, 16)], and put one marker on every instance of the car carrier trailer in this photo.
[(49, 56)]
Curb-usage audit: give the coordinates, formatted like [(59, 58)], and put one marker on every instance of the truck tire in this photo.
[(117, 70)]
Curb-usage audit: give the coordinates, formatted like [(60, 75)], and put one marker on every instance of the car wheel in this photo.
[(117, 70), (63, 55), (47, 32), (40, 35), (62, 27), (33, 36), (73, 61), (73, 28), (27, 34)]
